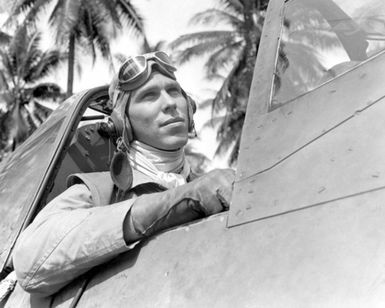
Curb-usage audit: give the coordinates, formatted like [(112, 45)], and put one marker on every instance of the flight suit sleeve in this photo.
[(67, 238)]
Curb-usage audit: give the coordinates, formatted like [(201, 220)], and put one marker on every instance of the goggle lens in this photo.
[(134, 67), (163, 57)]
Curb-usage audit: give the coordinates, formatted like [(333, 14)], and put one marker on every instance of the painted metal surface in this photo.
[(88, 152), (285, 132), (262, 83), (22, 176), (26, 176), (331, 255), (347, 160), (321, 39)]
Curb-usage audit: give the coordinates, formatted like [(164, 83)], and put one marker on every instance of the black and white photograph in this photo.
[(192, 153)]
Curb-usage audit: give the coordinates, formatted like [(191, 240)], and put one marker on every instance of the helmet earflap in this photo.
[(118, 124), (119, 127), (191, 108), (119, 130)]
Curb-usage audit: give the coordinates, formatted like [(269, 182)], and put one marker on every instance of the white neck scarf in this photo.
[(168, 168)]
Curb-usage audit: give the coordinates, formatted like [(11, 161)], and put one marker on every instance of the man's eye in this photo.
[(175, 91), (148, 96)]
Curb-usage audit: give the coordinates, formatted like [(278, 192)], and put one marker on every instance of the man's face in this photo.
[(158, 113)]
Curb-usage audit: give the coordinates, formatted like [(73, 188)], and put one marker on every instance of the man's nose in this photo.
[(169, 102)]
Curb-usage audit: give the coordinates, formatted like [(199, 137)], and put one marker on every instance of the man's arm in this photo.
[(67, 238), (206, 195), (70, 236)]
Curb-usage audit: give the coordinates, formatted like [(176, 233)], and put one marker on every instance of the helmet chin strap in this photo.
[(120, 168)]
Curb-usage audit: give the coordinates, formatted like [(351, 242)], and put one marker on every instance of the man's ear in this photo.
[(192, 103), (191, 106)]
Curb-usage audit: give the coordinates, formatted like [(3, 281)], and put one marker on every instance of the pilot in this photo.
[(149, 188)]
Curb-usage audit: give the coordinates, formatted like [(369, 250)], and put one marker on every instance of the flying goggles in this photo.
[(136, 70)]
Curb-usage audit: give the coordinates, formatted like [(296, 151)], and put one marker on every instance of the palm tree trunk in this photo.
[(71, 63)]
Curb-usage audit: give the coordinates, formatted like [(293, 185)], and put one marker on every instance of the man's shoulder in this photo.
[(104, 177), (98, 183), (101, 186)]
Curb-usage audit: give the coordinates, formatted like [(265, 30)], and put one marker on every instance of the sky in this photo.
[(163, 20)]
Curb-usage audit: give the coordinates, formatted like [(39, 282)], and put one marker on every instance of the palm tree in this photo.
[(22, 66), (89, 24), (231, 57)]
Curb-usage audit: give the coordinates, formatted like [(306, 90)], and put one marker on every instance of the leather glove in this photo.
[(206, 195)]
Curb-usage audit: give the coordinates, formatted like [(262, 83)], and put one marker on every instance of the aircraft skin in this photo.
[(306, 225)]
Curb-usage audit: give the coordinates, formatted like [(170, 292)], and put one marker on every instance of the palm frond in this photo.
[(3, 81), (87, 28), (224, 56), (195, 51), (202, 36), (64, 18), (223, 93), (235, 151), (8, 66), (34, 8), (30, 55), (201, 44), (229, 130), (48, 62), (234, 5), (17, 125), (21, 6), (205, 103), (6, 63), (17, 44), (215, 16), (107, 7), (30, 117), (198, 161), (214, 121), (100, 36), (41, 112), (46, 90), (130, 15)]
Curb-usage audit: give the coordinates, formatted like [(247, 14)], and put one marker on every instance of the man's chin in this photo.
[(173, 143)]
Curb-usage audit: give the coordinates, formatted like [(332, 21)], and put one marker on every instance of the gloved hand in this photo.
[(206, 195)]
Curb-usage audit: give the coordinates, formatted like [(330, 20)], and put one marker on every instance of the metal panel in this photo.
[(276, 135), (287, 131), (22, 176), (262, 83), (31, 167), (347, 160), (326, 256)]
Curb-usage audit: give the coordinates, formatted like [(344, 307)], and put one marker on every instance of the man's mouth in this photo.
[(172, 120)]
